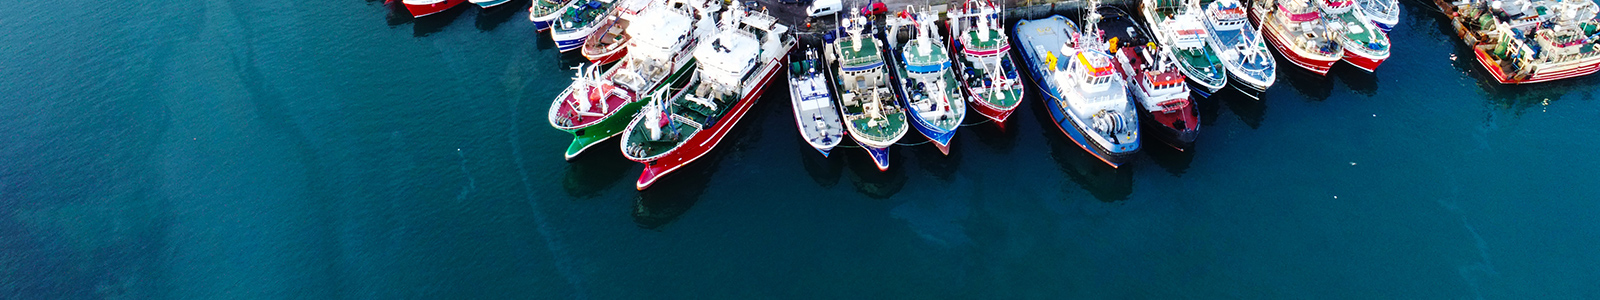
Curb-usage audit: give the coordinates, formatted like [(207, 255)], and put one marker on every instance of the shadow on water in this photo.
[(1314, 87), (1250, 110), (397, 13), (1210, 109), (673, 195), (491, 18), (435, 23), (1173, 160), (938, 164), (824, 170), (1520, 98), (1002, 140), (866, 177), (1362, 82), (1102, 181), (596, 170)]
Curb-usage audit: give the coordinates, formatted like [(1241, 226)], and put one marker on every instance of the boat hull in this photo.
[(541, 25), (880, 157), (939, 136), (1076, 134), (996, 114), (1544, 75), (813, 133), (583, 138), (568, 40), (1161, 126), (486, 4), (423, 10), (1305, 61), (707, 139), (1386, 27), (1201, 88), (606, 58), (1247, 88), (1362, 61)]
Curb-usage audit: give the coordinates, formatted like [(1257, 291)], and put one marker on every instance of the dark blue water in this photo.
[(324, 149)]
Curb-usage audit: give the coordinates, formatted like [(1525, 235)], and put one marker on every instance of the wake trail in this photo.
[(472, 183), (558, 249), (1472, 273)]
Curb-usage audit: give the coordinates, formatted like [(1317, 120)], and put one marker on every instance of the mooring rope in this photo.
[(917, 144), (985, 120)]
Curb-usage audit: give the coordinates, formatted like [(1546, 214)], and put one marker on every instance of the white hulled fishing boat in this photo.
[(866, 100)]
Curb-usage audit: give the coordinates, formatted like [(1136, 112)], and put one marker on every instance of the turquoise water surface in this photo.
[(325, 149)]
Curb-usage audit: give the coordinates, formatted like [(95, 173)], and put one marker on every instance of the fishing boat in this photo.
[(1523, 41), (609, 41), (926, 87), (577, 21), (1297, 29), (814, 111), (598, 105), (543, 13), (865, 98), (1365, 46), (733, 70), (1180, 29), (985, 69), (1382, 13), (1241, 48), (487, 4), (1153, 79), (423, 8), (1086, 99)]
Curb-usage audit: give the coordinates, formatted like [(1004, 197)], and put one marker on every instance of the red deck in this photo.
[(614, 97)]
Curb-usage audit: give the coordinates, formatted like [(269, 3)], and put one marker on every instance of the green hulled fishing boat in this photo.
[(870, 112), (1178, 26)]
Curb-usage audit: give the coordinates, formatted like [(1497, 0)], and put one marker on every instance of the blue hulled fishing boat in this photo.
[(925, 85), (1081, 90)]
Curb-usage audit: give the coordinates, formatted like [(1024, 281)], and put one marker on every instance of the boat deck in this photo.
[(815, 112), (867, 57)]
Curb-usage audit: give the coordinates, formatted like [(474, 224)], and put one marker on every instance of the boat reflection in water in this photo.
[(665, 202), (1364, 83), (586, 178), (1249, 110), (1311, 85), (824, 170), (1173, 160), (869, 181)]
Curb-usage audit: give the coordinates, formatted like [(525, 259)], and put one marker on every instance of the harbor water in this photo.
[(340, 149)]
